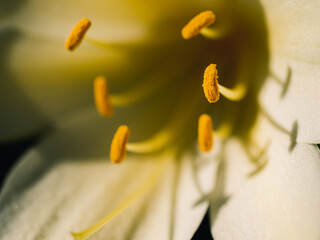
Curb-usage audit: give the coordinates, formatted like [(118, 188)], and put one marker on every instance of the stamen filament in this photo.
[(167, 135), (210, 33), (147, 185), (219, 30), (153, 144), (235, 94), (77, 34)]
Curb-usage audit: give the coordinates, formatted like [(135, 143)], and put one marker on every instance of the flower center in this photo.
[(177, 104)]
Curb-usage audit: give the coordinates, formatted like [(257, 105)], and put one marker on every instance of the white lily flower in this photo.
[(260, 180)]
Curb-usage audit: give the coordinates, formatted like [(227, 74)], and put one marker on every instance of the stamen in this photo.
[(205, 137), (77, 34), (210, 83), (118, 144), (102, 98), (212, 89), (196, 24)]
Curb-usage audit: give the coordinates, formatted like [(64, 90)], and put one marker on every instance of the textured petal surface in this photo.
[(280, 201), (292, 89), (65, 184), (192, 193)]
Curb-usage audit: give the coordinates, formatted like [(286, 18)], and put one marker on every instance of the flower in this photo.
[(261, 178)]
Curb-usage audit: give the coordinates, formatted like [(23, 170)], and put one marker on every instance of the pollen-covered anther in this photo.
[(210, 83), (102, 97), (77, 34), (205, 133), (196, 24), (212, 88), (119, 143)]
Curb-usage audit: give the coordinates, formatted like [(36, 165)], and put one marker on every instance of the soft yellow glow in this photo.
[(153, 144), (77, 34)]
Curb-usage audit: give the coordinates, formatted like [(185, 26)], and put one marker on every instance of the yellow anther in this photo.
[(101, 96), (205, 133), (77, 34), (196, 24), (212, 88), (118, 145), (210, 83)]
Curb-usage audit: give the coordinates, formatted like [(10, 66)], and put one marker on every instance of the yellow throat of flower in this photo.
[(189, 96)]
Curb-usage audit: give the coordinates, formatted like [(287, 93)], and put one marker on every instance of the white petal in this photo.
[(281, 201), (64, 185), (294, 60), (70, 196), (193, 186)]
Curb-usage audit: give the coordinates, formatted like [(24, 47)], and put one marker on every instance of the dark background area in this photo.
[(10, 153)]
